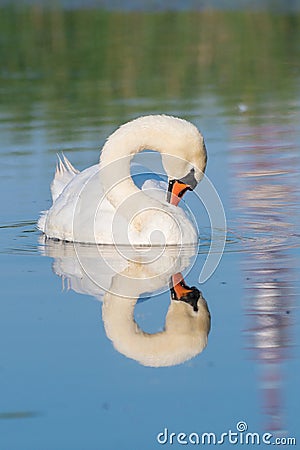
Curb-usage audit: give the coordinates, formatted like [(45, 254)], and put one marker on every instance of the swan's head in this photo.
[(182, 293), (184, 157), (182, 148)]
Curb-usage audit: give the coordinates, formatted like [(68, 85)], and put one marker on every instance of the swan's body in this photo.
[(118, 282), (103, 205)]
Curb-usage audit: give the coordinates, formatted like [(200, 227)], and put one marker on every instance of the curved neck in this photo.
[(116, 157), (183, 337)]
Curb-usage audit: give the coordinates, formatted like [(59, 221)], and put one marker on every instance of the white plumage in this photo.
[(103, 205)]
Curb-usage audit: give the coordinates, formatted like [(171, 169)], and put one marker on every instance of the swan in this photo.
[(88, 270), (102, 204)]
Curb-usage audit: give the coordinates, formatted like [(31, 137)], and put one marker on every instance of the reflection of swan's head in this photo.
[(184, 336)]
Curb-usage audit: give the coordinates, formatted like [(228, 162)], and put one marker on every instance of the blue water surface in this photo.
[(63, 385)]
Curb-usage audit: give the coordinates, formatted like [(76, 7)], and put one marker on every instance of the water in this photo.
[(68, 79)]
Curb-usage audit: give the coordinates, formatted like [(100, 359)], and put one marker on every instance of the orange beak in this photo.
[(176, 189), (179, 286), (181, 292)]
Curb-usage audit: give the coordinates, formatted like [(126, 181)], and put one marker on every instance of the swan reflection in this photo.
[(119, 277)]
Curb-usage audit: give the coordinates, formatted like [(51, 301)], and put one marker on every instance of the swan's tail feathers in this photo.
[(63, 175)]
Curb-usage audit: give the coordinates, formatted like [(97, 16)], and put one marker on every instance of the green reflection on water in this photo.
[(19, 415), (81, 62)]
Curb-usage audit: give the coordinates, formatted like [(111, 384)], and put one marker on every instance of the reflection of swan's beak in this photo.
[(177, 188), (181, 292)]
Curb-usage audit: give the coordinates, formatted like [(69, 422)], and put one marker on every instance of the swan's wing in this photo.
[(160, 185), (63, 175), (156, 189)]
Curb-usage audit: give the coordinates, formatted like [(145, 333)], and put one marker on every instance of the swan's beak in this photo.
[(181, 292), (177, 188)]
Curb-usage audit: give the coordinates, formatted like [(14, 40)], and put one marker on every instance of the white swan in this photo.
[(89, 270), (103, 205)]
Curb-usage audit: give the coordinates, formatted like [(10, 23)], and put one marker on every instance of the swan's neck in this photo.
[(181, 339), (115, 160)]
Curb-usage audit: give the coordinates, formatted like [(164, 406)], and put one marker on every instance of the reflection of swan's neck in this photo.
[(184, 336)]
